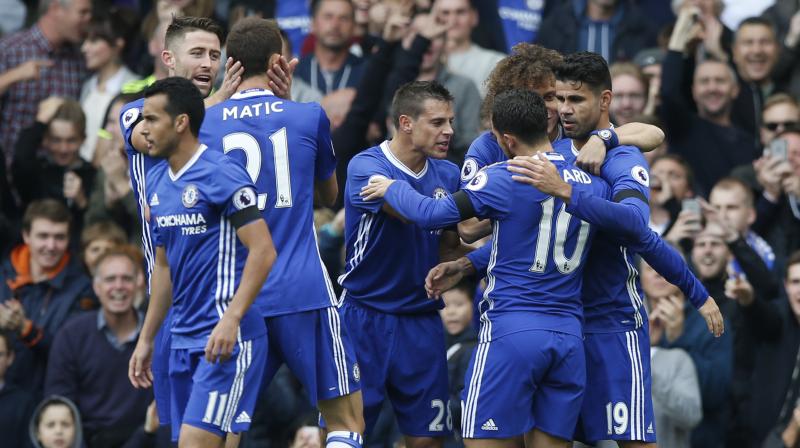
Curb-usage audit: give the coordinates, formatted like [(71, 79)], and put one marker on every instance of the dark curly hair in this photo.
[(528, 66)]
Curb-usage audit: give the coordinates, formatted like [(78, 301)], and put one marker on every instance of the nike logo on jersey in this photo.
[(489, 426), (243, 418)]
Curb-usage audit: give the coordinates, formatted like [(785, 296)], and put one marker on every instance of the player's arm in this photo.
[(474, 229), (428, 213), (139, 371), (326, 187), (644, 136), (326, 191)]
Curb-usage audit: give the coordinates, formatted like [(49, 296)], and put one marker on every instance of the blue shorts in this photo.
[(317, 349), (618, 404), (403, 356), (160, 368), (218, 398), (521, 381)]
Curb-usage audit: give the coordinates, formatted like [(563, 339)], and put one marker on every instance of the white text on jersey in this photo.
[(251, 110)]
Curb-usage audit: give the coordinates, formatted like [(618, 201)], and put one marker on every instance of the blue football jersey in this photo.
[(484, 151), (387, 259), (138, 165), (285, 148), (190, 213), (537, 254)]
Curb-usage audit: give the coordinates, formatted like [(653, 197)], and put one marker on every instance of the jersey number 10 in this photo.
[(252, 152), (563, 264)]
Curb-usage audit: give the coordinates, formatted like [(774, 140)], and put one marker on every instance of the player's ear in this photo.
[(181, 123), (168, 59), (605, 99), (405, 124)]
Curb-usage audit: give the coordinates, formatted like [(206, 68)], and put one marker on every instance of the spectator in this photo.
[(684, 328), (785, 16), (505, 23), (460, 338), (41, 62), (467, 103), (781, 112), (775, 409), (331, 69), (676, 391), (89, 358), (103, 48), (615, 29), (16, 405), (706, 138), (306, 432), (42, 286), (671, 181), (717, 38), (9, 214), (755, 53), (112, 198), (630, 93), (56, 423), (649, 62), (464, 57), (96, 240), (60, 173)]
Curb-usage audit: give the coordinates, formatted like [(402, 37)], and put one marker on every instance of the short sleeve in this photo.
[(491, 192), (361, 169), (130, 115), (234, 190), (325, 164)]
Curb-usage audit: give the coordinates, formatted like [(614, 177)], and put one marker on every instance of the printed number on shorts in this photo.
[(252, 151), (617, 417), (215, 409), (436, 424), (563, 264)]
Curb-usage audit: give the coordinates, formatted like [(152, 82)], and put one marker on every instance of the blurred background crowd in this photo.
[(721, 78)]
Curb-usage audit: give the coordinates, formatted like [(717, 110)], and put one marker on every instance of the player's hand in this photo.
[(713, 317), (233, 77), (539, 172), (592, 155), (139, 367), (222, 340), (442, 277), (375, 188), (280, 76)]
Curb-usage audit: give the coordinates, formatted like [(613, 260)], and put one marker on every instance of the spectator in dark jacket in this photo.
[(58, 172), (615, 29), (89, 357), (42, 286), (16, 404)]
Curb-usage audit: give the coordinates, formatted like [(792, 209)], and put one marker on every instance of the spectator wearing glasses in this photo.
[(780, 113)]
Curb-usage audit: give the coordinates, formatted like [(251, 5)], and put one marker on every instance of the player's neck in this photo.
[(329, 60), (187, 147), (255, 82), (599, 13), (404, 150)]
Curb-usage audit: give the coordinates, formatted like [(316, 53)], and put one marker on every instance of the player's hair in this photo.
[(252, 41), (122, 251), (52, 210), (179, 26), (183, 97), (793, 259), (529, 66), (521, 113), (102, 230), (585, 68), (409, 99), (677, 158), (755, 21), (732, 183), (315, 5), (779, 98), (71, 111)]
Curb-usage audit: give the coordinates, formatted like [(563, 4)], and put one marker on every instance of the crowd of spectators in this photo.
[(720, 77)]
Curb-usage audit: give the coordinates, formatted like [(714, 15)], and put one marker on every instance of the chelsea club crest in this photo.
[(189, 196)]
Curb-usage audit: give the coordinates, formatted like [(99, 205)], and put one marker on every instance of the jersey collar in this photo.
[(249, 93), (400, 165), (175, 176)]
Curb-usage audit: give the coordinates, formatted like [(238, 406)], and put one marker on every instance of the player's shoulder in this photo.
[(625, 150), (130, 113), (445, 166), (368, 158), (495, 175)]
